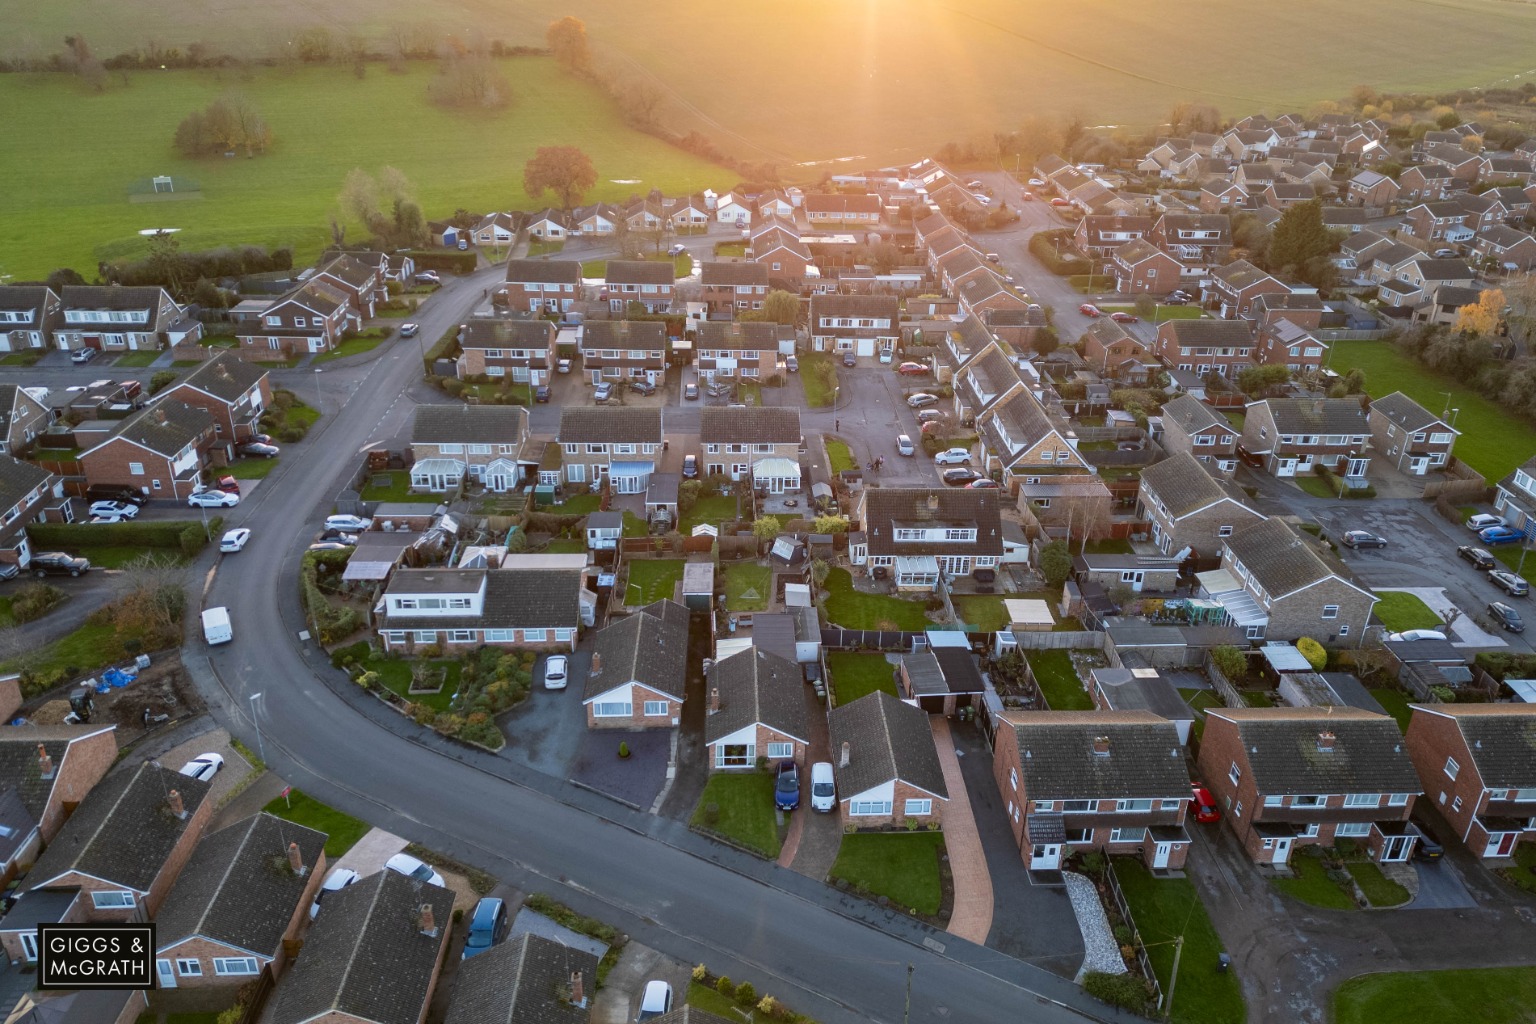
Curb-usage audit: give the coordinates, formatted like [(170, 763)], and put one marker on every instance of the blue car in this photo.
[(487, 927), (1500, 535), (786, 789)]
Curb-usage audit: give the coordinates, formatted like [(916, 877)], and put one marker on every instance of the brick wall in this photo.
[(764, 736), (903, 792), (1301, 615), (1432, 740), (84, 764), (637, 719), (109, 464), (1005, 767)]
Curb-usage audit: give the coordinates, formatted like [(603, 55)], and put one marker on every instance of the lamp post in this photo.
[(261, 748), (318, 397), (1447, 411)]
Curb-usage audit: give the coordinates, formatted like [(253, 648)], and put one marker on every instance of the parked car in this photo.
[(428, 277), (234, 540), (791, 364), (1427, 848), (786, 787), (541, 393), (81, 356), (930, 416), (690, 467), (9, 570), (953, 457), (347, 522), (1027, 196), (921, 399), (886, 357), (677, 250), (602, 392), (334, 882), (984, 200), (410, 867), (1124, 318), (562, 366), (823, 787), (1176, 300), (1483, 521), (1058, 201), (213, 499), (1500, 535), (1477, 556), (409, 330), (960, 476), (1037, 183), (328, 545), (203, 767), (57, 563), (975, 184), (487, 926), (1417, 634), (1513, 585), (557, 671), (656, 1000), (912, 370), (114, 509), (463, 245), (1505, 615), (644, 387), (993, 257), (1445, 254), (982, 483), (904, 445), (1250, 459), (849, 359), (257, 450), (1088, 309), (340, 536), (691, 392), (116, 492), (1363, 539), (1202, 804)]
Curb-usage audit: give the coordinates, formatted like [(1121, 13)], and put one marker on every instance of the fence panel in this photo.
[(1125, 914), (1069, 641)]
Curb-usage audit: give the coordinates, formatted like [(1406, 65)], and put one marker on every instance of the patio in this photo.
[(793, 503)]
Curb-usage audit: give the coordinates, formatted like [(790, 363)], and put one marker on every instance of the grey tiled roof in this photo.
[(504, 333), (17, 480), (166, 427), (1026, 419), (354, 272), (16, 823), (757, 687), (514, 599), (649, 647), (876, 306), (31, 297), (1278, 558), (1281, 747), (1238, 275), (1502, 738), (238, 887), (738, 336), (639, 272), (113, 296), (887, 740), (469, 424), (650, 335), (604, 424), (18, 758), (1192, 415), (226, 376), (525, 980), (1318, 415), (1056, 750), (544, 272), (366, 955), (1213, 333), (732, 274), (752, 425), (1182, 483), (1444, 270), (123, 830), (1404, 411), (888, 507)]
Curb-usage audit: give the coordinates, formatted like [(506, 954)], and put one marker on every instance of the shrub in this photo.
[(1445, 693), (161, 380), (1093, 862), (746, 995), (700, 972), (358, 652), (768, 1005), (1314, 652), (623, 748), (1123, 934), (724, 987), (1123, 990), (34, 600), (1043, 246), (1230, 661)]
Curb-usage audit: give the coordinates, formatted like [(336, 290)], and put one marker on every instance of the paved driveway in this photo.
[(547, 730), (1440, 887)]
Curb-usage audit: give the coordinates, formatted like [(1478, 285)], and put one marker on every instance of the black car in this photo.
[(57, 563), (541, 393), (1250, 459), (113, 492), (849, 359), (1363, 539), (645, 387), (1477, 556), (1427, 848), (1506, 616), (960, 476)]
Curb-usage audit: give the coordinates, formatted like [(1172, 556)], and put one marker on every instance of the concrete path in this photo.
[(1464, 631), (972, 915), (817, 837)]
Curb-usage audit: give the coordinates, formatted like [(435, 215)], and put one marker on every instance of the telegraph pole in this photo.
[(906, 1013)]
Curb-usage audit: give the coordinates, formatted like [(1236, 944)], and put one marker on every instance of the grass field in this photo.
[(1399, 611), (62, 205), (1501, 995), (1492, 441)]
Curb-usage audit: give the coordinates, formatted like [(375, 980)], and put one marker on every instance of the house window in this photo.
[(426, 636), (1344, 630), (1127, 835), (1456, 804), (1353, 828), (1451, 768), (498, 636), (781, 751), (461, 636), (918, 808), (1330, 611), (1397, 799), (117, 900), (1013, 777), (563, 636), (1169, 805), (459, 602), (735, 755), (1362, 800), (613, 709), (1224, 531), (868, 807), (655, 708), (235, 965), (1234, 773), (1238, 810), (1274, 801), (1078, 806), (189, 968), (1133, 805), (1309, 801), (135, 469)]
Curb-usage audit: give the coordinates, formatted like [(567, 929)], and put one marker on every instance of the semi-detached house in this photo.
[(29, 314), (920, 533), (311, 318), (459, 610), (1477, 764), (485, 441), (1515, 497), (1292, 435), (1189, 511), (620, 445), (231, 390), (159, 450), (757, 443), (113, 318), (522, 351), (1203, 346), (542, 286), (1409, 436), (752, 350), (25, 489), (624, 350), (732, 287), (647, 282), (1192, 427), (861, 324)]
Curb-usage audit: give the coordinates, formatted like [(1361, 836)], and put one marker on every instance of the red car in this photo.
[(1124, 318), (1090, 310), (912, 369), (1058, 201), (1203, 804)]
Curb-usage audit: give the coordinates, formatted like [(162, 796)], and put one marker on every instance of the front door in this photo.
[(1506, 844), (1283, 851), (166, 972), (1418, 465), (1045, 857), (1396, 848), (1161, 854), (1285, 467), (1357, 468)]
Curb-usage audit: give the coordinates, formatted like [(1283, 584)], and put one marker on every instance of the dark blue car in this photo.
[(1500, 535), (786, 789)]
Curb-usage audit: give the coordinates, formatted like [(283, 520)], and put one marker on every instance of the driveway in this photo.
[(546, 731), (635, 780), (1440, 887)]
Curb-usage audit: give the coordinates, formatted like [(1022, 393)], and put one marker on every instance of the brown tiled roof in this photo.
[(1282, 749), (886, 508), (226, 376), (502, 333), (640, 272), (1056, 752), (649, 647), (733, 274), (1277, 558), (525, 980), (1501, 737), (757, 687), (752, 425), (888, 740)]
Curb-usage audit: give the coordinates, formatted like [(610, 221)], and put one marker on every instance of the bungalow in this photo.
[(752, 350), (1409, 436), (1206, 346), (495, 230), (1191, 514), (647, 282), (30, 314), (1194, 428), (531, 979), (644, 216), (113, 318), (688, 216), (161, 450), (638, 676), (459, 610), (620, 445), (729, 287), (887, 769), (1477, 763), (861, 324), (542, 286), (1283, 196), (549, 225), (919, 534), (25, 490), (842, 210), (732, 208), (600, 220), (624, 350), (1294, 434), (231, 390), (755, 442), (522, 351), (483, 440), (756, 709)]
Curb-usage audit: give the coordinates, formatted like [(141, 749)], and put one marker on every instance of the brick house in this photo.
[(616, 445), (1368, 188), (1020, 439), (232, 391), (1462, 164), (1294, 434), (359, 281), (1190, 426), (1304, 309), (1409, 436), (22, 418), (756, 709), (1141, 268), (1436, 222), (313, 317), (1197, 240), (757, 443), (1507, 247), (125, 844), (988, 295), (781, 251), (48, 770), (520, 350), (648, 282), (531, 979), (484, 441), (731, 287), (1282, 195), (459, 610), (1115, 352), (1220, 196), (920, 533), (549, 224), (1097, 236), (962, 342), (1234, 287), (1203, 346), (1188, 510), (842, 210), (372, 957), (115, 319), (639, 672), (160, 450), (885, 764), (1292, 777), (29, 316), (235, 912), (1477, 764), (751, 350), (495, 230), (862, 324), (1429, 183), (624, 350), (542, 286), (26, 490), (984, 381), (1282, 342), (1075, 781), (600, 220), (1274, 586), (1515, 497)]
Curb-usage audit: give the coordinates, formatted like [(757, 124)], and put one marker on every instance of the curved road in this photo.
[(660, 883)]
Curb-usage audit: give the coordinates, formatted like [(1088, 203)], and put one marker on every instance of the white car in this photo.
[(334, 882), (351, 524), (1417, 634), (1482, 521), (953, 457), (904, 445), (410, 867), (114, 509), (656, 1001), (203, 767), (1037, 183), (234, 540), (557, 670), (213, 499)]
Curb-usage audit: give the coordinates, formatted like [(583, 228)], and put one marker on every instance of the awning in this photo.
[(631, 468), (776, 467)]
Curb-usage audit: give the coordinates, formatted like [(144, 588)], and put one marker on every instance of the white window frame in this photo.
[(189, 967), (1351, 829), (113, 899), (1362, 800), (135, 469), (916, 807), (1397, 799), (656, 708), (779, 751), (1330, 611), (1273, 800), (237, 966), (868, 808), (608, 709), (1235, 773), (1452, 769)]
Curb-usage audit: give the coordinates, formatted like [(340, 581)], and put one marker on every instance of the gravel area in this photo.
[(1100, 950)]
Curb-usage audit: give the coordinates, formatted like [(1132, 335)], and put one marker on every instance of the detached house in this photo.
[(48, 770), (759, 442), (115, 319), (1292, 777), (29, 316), (1114, 352), (1075, 781), (159, 450), (1194, 428), (886, 766), (751, 350), (731, 287), (542, 286), (1428, 182), (1409, 436), (22, 418), (919, 533), (1236, 285), (1282, 342), (756, 709), (1515, 497), (1444, 221), (1191, 514), (639, 671), (862, 324), (1203, 346), (232, 391), (1507, 247), (1477, 764), (25, 490), (648, 282), (461, 609), (1294, 434), (1367, 188), (624, 350), (360, 281), (484, 441), (520, 350), (529, 980), (313, 317), (780, 250), (616, 445)]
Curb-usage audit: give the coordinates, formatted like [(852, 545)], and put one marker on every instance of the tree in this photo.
[(564, 170), (1301, 246), (781, 307), (469, 81), (165, 258), (64, 276), (1146, 306), (1482, 317), (229, 123), (1056, 563), (1258, 381), (767, 528), (567, 40), (829, 524), (1230, 661)]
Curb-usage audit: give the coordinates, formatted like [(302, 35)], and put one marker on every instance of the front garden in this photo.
[(1339, 878), (738, 807), (902, 868)]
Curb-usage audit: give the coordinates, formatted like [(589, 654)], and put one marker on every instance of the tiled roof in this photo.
[(1317, 415), (114, 296), (544, 272), (1137, 251), (1444, 270), (238, 887), (886, 508), (525, 980), (165, 427), (752, 425), (757, 687), (837, 203), (1095, 225), (648, 647), (17, 480), (1502, 738), (1277, 558), (1282, 750), (1192, 415), (366, 955), (354, 272), (1182, 484), (599, 424), (873, 306), (1404, 411), (502, 333), (1025, 418), (469, 424), (1211, 333), (29, 297), (732, 274), (739, 336), (1238, 275), (993, 371), (1056, 752), (640, 272), (514, 598), (650, 335), (18, 759), (888, 740), (226, 376)]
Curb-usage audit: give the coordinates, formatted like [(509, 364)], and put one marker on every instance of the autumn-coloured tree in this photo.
[(1482, 317), (564, 170), (567, 40)]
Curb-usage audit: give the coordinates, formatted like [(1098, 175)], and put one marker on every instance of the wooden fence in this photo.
[(1224, 688), (1076, 640), (1124, 907)]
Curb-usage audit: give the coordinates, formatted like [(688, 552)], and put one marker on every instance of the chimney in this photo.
[(714, 700), (1101, 746), (842, 760), (44, 763), (177, 807), (597, 664), (427, 922), (578, 991), (933, 502), (296, 860), (1325, 741)]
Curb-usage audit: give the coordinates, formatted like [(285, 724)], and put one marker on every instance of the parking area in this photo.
[(546, 731), (636, 779), (216, 741)]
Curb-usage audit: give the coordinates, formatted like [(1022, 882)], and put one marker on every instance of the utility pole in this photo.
[(1173, 978), (906, 1013)]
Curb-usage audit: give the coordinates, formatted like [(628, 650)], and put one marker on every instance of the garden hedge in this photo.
[(185, 535)]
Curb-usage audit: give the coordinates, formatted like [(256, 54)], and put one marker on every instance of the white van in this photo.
[(216, 627), (823, 789)]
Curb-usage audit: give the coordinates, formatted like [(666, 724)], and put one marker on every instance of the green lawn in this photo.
[(652, 579), (1236, 417), (395, 673), (1521, 873), (1399, 611), (566, 546), (62, 205), (1492, 441), (342, 830), (983, 612), (1163, 909), (395, 486), (748, 587), (1378, 888), (839, 456), (136, 359), (744, 803), (1314, 485), (1200, 701), (711, 510), (855, 675), (1312, 885), (1110, 546), (1258, 698), (25, 358), (353, 347), (1396, 703), (1058, 681), (854, 610), (575, 505), (903, 866), (1498, 995), (544, 247), (818, 389), (726, 250), (682, 266), (251, 469)]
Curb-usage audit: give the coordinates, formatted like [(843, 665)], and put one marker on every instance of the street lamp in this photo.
[(318, 397), (261, 747), (1447, 410)]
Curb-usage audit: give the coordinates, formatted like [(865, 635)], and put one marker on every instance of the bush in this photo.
[(1314, 652), (1445, 693), (1123, 990), (1230, 661), (444, 259), (161, 380), (34, 600), (746, 995), (724, 987), (1043, 245)]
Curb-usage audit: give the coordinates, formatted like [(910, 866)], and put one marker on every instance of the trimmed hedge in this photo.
[(440, 259), (184, 535), (1043, 246)]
